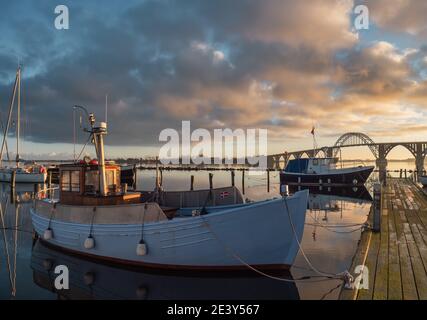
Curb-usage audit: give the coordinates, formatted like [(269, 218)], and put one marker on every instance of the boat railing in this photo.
[(46, 193)]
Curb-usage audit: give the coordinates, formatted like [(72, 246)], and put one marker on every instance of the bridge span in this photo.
[(355, 139)]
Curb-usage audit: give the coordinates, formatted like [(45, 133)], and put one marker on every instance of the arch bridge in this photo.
[(355, 139)]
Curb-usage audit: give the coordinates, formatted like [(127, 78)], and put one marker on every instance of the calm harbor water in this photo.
[(26, 268)]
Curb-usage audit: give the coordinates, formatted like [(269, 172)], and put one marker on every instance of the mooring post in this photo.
[(377, 208), (210, 181), (232, 177), (405, 175), (12, 187), (161, 176), (192, 183), (401, 170), (268, 181), (243, 181), (13, 179), (134, 170)]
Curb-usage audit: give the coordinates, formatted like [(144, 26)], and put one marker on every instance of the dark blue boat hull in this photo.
[(356, 177)]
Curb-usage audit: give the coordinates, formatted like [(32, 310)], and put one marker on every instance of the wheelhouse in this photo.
[(80, 184), (311, 165)]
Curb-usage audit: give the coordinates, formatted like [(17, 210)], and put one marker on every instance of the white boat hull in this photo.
[(261, 234), (21, 177)]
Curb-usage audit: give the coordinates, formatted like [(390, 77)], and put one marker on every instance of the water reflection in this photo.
[(91, 280), (332, 230)]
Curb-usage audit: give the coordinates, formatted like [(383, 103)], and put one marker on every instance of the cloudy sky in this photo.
[(273, 64)]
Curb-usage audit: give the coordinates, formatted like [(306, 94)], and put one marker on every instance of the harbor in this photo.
[(33, 273), (214, 155)]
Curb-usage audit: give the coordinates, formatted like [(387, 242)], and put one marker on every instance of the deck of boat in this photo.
[(396, 257)]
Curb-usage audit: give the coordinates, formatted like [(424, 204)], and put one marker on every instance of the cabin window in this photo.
[(92, 181), (110, 176), (65, 181), (315, 162), (75, 181), (70, 180)]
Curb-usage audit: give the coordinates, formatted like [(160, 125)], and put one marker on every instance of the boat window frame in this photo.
[(96, 184), (70, 186)]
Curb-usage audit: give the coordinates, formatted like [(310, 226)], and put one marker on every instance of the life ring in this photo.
[(42, 169)]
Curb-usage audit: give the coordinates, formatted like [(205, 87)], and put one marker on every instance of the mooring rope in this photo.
[(305, 279), (341, 275)]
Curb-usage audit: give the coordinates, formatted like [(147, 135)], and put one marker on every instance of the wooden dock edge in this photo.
[(360, 256)]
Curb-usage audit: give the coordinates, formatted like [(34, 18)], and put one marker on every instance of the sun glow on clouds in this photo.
[(275, 64)]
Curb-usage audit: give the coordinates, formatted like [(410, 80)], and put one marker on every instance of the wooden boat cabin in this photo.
[(80, 185)]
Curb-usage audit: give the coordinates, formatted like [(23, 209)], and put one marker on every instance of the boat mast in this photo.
[(98, 137), (18, 116), (12, 102)]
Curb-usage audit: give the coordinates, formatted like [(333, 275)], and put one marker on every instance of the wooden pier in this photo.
[(395, 257)]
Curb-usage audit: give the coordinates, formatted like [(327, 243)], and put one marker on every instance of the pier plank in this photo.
[(394, 275), (381, 274)]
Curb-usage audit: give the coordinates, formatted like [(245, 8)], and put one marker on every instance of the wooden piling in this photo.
[(268, 181), (232, 177), (12, 187), (401, 172), (13, 179), (210, 180), (192, 183), (134, 169), (243, 181)]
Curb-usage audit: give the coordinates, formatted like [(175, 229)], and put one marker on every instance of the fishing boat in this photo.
[(323, 171), (33, 173), (205, 230)]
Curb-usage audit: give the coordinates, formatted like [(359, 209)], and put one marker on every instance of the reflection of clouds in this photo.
[(330, 252)]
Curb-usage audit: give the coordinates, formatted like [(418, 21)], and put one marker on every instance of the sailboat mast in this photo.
[(18, 117), (6, 129)]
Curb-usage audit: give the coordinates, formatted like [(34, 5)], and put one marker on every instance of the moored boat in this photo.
[(33, 174), (192, 230), (323, 171), (29, 173)]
